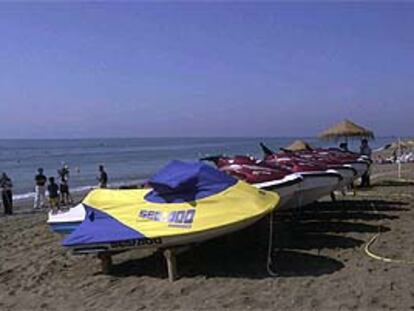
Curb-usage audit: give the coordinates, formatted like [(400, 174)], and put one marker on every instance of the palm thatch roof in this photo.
[(403, 145), (346, 129), (299, 145)]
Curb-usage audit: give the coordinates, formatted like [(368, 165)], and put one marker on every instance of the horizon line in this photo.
[(175, 137)]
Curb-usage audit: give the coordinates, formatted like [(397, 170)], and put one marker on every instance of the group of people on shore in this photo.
[(58, 194), (403, 156)]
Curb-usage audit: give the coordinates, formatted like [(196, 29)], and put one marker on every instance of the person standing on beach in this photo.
[(6, 186), (40, 189), (103, 177), (53, 190), (366, 151), (65, 197)]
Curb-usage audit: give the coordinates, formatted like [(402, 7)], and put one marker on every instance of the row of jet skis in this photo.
[(187, 203)]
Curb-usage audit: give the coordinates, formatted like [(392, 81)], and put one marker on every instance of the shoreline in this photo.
[(131, 160), (83, 189)]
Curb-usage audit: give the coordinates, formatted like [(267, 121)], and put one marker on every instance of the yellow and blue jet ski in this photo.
[(187, 203)]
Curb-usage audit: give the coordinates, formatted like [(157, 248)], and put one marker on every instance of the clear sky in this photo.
[(204, 69)]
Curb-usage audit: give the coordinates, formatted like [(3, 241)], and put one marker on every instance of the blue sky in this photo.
[(204, 69)]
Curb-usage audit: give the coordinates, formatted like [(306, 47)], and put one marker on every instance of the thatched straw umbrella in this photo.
[(396, 146), (396, 149), (346, 129), (298, 145), (400, 144)]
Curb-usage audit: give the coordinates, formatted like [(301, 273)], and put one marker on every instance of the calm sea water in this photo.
[(126, 160)]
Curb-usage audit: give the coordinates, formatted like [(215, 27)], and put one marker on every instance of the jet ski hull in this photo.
[(361, 167), (348, 175), (65, 222), (118, 220), (316, 185), (287, 188), (163, 242)]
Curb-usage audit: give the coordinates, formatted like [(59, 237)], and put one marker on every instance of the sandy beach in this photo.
[(320, 262)]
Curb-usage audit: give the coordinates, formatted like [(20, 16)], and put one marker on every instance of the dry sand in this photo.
[(319, 259)]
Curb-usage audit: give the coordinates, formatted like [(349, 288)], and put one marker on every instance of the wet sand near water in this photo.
[(320, 262)]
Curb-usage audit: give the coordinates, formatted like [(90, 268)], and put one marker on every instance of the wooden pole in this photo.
[(170, 257), (171, 264), (399, 158), (106, 262)]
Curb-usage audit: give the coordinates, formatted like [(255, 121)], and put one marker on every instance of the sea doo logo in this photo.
[(181, 219), (136, 243)]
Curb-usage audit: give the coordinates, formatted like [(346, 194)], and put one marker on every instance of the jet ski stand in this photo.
[(106, 262), (169, 255)]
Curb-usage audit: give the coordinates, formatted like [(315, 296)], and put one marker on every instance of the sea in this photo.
[(127, 160)]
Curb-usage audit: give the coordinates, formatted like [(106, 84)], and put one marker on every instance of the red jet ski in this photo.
[(253, 172), (318, 179), (348, 159), (348, 173)]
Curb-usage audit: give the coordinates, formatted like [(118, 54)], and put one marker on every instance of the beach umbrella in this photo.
[(298, 145), (397, 148), (400, 145), (346, 129)]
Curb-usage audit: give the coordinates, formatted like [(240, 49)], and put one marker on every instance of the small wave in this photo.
[(31, 195), (23, 196)]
